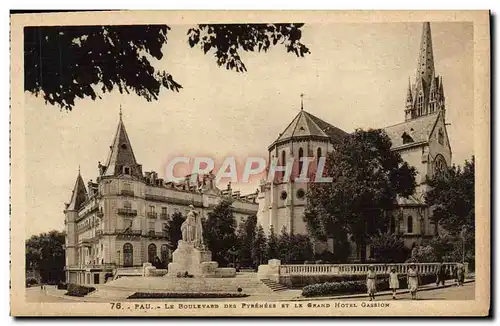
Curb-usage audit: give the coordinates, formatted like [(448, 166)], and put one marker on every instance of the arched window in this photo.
[(151, 253), (409, 226), (318, 153), (283, 162), (301, 154), (440, 166), (441, 136), (128, 255), (420, 104), (164, 253)]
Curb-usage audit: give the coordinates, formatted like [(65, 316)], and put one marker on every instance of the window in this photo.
[(128, 255), (283, 162), (301, 154), (407, 138), (440, 166), (151, 253), (441, 136), (127, 187), (151, 209), (409, 226), (164, 211), (283, 195), (420, 104), (319, 152), (126, 170), (127, 204), (301, 193), (164, 253), (151, 226)]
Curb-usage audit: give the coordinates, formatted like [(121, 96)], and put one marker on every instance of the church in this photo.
[(421, 139)]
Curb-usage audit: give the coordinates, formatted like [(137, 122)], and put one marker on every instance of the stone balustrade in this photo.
[(353, 269)]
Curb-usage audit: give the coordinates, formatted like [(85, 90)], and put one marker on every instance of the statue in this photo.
[(188, 227), (192, 229)]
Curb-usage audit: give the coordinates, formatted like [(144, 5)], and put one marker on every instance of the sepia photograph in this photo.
[(250, 163)]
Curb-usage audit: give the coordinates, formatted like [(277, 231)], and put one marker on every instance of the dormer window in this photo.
[(407, 138), (126, 170), (123, 146)]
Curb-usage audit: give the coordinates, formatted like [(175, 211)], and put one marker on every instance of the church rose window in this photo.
[(283, 195)]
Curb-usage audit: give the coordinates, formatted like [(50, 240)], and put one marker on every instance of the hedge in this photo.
[(299, 281), (31, 281), (62, 286), (352, 286), (76, 290), (185, 295)]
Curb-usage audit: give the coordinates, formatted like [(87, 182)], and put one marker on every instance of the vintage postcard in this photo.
[(250, 163)]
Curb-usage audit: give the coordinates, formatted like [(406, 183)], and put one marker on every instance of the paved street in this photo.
[(465, 292), (35, 294)]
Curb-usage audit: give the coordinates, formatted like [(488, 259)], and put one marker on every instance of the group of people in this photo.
[(412, 279)]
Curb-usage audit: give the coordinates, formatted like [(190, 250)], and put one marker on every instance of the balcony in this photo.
[(154, 234), (152, 215), (129, 193), (127, 212), (163, 216), (128, 231)]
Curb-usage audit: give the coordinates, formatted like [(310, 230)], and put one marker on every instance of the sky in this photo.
[(355, 77)]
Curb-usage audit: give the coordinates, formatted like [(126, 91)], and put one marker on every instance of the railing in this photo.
[(152, 215), (353, 269), (127, 211), (127, 193), (128, 231), (163, 216)]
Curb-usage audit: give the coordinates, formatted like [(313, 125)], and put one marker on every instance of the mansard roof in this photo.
[(307, 125)]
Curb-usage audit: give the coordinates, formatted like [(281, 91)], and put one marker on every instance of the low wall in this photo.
[(300, 275)]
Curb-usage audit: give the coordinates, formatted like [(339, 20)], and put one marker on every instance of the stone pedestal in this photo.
[(196, 262)]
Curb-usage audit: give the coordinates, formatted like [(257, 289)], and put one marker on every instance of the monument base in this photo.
[(198, 263)]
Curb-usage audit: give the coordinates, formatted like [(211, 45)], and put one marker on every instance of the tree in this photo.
[(219, 232), (246, 238), (259, 247), (284, 246), (45, 254), (451, 197), (62, 63), (388, 248), (367, 178), (272, 245), (173, 230)]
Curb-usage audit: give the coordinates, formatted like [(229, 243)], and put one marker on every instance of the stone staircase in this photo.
[(273, 286), (125, 286)]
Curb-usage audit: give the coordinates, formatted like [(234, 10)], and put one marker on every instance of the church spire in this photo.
[(409, 97), (79, 195), (425, 69), (121, 159)]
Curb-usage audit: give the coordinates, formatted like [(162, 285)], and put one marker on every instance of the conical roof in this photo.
[(79, 195), (305, 124), (121, 153)]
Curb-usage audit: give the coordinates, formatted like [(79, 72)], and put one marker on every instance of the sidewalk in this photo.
[(427, 287)]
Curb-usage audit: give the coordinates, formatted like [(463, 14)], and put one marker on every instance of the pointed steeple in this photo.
[(409, 97), (79, 195), (425, 69), (121, 159)]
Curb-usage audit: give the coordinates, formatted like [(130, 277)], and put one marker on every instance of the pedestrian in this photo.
[(393, 282), (440, 274), (413, 280), (371, 282)]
